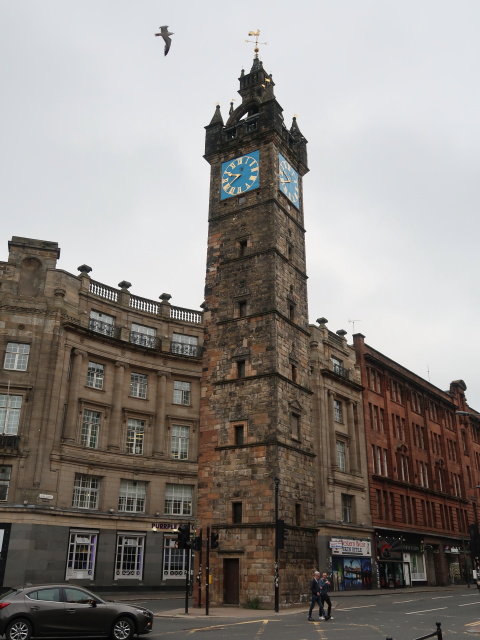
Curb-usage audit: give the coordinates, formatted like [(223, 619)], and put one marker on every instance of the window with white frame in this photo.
[(347, 507), (184, 345), (135, 436), (142, 335), (16, 356), (82, 551), (132, 496), (138, 385), (129, 556), (181, 392), (341, 458), (174, 560), (90, 428), (337, 411), (178, 499), (102, 323), (86, 491), (10, 407), (180, 440), (5, 475), (95, 375)]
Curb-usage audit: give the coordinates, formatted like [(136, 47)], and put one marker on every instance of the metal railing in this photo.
[(8, 441), (101, 327), (143, 339), (192, 350), (341, 371)]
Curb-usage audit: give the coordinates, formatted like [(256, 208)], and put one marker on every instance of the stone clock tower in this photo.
[(256, 463)]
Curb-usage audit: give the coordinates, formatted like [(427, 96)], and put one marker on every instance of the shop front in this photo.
[(351, 564), (390, 562), (414, 565), (457, 555)]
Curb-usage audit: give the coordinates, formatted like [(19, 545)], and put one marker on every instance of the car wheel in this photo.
[(123, 629), (19, 629)]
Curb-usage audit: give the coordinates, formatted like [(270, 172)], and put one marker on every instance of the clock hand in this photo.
[(287, 178), (237, 175)]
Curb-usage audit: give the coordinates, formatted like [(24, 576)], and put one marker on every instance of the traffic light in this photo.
[(214, 541), (183, 537), (197, 542)]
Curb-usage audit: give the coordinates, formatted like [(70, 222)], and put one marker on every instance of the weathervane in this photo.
[(256, 35)]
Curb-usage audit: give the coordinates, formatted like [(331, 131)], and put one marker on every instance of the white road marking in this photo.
[(441, 597), (366, 606), (411, 613), (402, 601), (469, 604)]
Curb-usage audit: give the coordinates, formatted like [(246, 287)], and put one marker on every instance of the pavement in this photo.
[(227, 611)]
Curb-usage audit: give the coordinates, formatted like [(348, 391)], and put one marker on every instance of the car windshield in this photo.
[(8, 594)]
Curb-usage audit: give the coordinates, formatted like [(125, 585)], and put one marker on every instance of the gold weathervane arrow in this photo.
[(256, 35)]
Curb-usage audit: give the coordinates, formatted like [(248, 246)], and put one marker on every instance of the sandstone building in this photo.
[(423, 452), (345, 541), (99, 402)]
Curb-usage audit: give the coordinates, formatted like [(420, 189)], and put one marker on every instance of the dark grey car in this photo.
[(68, 610)]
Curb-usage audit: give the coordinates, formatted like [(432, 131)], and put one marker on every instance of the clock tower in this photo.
[(256, 486)]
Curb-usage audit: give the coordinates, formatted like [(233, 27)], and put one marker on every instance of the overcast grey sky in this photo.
[(102, 139)]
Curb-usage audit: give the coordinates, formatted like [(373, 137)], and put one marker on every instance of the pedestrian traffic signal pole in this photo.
[(207, 572)]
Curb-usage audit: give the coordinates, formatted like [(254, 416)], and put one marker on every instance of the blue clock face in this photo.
[(240, 175), (288, 181)]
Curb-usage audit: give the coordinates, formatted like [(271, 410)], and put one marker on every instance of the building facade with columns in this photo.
[(345, 534), (99, 406)]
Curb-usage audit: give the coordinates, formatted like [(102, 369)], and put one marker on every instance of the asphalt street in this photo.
[(403, 614)]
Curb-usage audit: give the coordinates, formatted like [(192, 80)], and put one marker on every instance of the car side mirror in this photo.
[(93, 604)]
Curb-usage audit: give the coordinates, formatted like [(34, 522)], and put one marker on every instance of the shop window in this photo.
[(82, 548), (129, 557)]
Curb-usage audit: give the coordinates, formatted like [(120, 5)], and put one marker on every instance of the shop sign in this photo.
[(350, 547), (412, 548), (164, 526), (389, 548), (448, 549)]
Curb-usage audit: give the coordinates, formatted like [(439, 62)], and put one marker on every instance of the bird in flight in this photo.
[(165, 33)]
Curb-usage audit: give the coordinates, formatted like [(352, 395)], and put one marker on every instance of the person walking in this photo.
[(324, 583), (316, 596)]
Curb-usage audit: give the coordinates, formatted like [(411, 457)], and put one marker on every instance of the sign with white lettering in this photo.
[(350, 547), (165, 526)]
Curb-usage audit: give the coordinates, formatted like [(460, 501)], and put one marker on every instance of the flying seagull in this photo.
[(165, 33)]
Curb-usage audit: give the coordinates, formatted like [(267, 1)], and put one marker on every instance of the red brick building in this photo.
[(423, 457)]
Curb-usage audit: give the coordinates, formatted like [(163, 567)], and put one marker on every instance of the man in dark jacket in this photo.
[(324, 583), (316, 596)]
